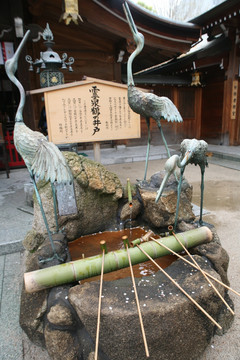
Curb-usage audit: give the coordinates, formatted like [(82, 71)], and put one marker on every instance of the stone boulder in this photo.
[(63, 319), (61, 327), (96, 191), (162, 214), (130, 213), (173, 325)]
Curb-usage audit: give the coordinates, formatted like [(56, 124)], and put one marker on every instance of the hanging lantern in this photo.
[(196, 79), (50, 63), (70, 12)]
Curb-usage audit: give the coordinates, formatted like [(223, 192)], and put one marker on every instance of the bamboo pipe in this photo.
[(84, 268), (205, 276), (136, 297), (183, 291), (193, 265), (103, 247), (129, 192), (125, 242), (143, 238)]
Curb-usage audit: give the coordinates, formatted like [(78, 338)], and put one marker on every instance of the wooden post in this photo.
[(97, 152)]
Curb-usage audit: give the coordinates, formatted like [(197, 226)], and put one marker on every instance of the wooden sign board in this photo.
[(88, 111)]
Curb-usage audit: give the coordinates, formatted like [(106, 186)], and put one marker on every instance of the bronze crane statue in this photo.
[(192, 152), (43, 159), (147, 104)]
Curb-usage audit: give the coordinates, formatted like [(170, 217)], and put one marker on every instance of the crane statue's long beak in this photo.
[(186, 158), (169, 168), (11, 64), (130, 18), (163, 183)]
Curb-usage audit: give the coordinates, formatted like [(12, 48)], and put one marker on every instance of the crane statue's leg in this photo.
[(165, 144), (55, 205), (202, 191), (163, 137), (178, 197), (148, 147), (55, 255)]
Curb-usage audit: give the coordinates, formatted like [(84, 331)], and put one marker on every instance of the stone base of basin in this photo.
[(175, 328), (64, 319)]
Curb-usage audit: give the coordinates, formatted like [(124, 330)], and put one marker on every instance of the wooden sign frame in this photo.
[(91, 110)]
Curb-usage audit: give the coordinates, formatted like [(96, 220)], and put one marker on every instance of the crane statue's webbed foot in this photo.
[(47, 256), (54, 257)]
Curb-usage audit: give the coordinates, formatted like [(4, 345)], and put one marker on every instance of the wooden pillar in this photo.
[(231, 120), (198, 112)]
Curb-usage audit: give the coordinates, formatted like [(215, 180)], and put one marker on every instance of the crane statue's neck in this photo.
[(129, 70), (19, 113), (129, 64)]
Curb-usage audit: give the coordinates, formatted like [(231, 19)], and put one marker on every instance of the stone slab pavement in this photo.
[(222, 189)]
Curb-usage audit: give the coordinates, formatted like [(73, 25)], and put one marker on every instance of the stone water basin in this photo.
[(89, 245), (173, 325)]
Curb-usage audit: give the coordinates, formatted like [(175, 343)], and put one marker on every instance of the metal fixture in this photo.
[(195, 76), (50, 62), (196, 79)]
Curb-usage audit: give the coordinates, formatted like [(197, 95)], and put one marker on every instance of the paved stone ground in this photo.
[(14, 343), (11, 281), (222, 193)]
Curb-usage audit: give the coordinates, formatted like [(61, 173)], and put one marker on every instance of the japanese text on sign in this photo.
[(95, 108), (90, 112)]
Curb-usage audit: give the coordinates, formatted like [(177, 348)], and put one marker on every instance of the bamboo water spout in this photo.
[(114, 260), (129, 192)]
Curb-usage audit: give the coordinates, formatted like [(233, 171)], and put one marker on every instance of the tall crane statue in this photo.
[(43, 159), (147, 104), (192, 152)]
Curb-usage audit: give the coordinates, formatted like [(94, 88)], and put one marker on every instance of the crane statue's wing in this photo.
[(50, 164), (165, 108)]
